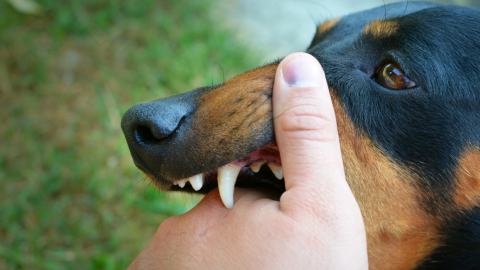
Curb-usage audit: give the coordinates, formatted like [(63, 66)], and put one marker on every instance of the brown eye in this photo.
[(392, 77)]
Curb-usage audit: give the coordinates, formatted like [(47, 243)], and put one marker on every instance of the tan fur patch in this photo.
[(327, 25), (243, 96), (322, 29), (399, 233), (229, 120), (467, 186), (381, 29)]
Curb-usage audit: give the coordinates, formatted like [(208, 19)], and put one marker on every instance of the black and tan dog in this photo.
[(405, 83)]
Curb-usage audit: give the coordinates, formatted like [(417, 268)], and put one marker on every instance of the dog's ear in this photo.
[(323, 30)]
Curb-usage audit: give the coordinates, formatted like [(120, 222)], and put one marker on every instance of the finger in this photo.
[(306, 131)]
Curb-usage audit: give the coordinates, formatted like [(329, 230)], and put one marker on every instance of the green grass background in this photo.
[(70, 196)]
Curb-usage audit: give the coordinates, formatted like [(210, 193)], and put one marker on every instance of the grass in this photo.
[(70, 195)]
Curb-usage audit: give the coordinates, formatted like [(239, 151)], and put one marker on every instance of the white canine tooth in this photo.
[(277, 170), (227, 176), (175, 183), (181, 183), (256, 167), (196, 181)]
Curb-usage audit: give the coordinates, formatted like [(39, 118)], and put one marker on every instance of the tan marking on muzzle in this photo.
[(231, 116)]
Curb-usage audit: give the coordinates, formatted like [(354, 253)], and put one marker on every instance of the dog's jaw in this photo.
[(227, 175)]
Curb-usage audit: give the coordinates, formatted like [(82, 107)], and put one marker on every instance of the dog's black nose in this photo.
[(149, 127), (154, 129), (147, 123)]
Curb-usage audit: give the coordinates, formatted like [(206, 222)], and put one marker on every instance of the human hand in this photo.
[(316, 224)]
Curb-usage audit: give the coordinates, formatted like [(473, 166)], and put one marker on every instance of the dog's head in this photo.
[(405, 83)]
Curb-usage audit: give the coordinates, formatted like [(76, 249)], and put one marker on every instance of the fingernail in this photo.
[(302, 72)]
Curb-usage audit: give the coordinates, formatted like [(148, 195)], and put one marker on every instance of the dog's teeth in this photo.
[(277, 170), (175, 183), (256, 167), (227, 176), (196, 181), (181, 183)]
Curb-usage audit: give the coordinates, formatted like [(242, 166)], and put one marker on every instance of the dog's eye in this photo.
[(391, 76)]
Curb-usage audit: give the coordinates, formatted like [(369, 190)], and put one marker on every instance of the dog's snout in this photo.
[(153, 130)]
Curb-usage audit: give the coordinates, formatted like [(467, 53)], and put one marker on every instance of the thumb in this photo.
[(306, 133)]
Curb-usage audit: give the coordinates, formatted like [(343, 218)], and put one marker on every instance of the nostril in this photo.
[(144, 135), (148, 125)]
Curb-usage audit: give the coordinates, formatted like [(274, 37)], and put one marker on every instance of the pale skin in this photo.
[(315, 224)]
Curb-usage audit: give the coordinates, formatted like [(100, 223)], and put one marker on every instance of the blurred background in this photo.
[(70, 196)]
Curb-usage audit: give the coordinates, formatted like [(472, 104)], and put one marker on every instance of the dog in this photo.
[(405, 85)]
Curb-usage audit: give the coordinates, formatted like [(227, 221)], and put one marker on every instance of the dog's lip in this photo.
[(266, 155), (137, 160)]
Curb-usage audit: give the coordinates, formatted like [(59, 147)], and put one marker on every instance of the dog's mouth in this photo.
[(261, 169)]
